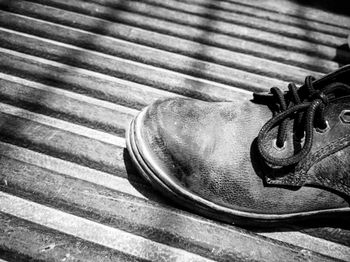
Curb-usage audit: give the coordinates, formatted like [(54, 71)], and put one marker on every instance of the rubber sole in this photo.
[(164, 184)]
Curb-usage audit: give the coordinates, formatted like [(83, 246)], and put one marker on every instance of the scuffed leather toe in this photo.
[(179, 135)]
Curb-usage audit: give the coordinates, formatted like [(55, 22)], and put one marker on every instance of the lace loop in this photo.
[(312, 106)]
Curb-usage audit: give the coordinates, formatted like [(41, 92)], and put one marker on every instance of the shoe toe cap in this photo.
[(163, 134)]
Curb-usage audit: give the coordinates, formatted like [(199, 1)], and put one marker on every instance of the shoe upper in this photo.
[(212, 150)]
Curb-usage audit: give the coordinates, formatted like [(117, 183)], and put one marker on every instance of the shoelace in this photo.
[(307, 107)]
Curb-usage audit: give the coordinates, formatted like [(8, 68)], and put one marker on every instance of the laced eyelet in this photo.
[(275, 146), (323, 130), (345, 116), (307, 105)]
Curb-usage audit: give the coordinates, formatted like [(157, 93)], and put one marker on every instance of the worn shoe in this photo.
[(284, 156)]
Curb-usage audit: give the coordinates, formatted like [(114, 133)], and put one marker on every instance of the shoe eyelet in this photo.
[(323, 130), (345, 116), (274, 145)]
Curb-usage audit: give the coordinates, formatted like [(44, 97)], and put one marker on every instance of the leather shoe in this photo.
[(283, 156)]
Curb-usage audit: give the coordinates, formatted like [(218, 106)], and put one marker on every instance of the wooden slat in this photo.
[(22, 240), (65, 105), (289, 9), (324, 247), (293, 9), (58, 124), (92, 148), (34, 160)]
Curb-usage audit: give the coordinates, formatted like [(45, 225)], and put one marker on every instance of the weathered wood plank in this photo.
[(22, 241), (152, 56), (313, 243), (90, 231), (65, 105), (138, 72), (79, 80), (59, 124), (164, 79), (203, 47), (298, 10), (65, 140), (68, 169)]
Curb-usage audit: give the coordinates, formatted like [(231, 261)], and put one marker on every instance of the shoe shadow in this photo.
[(142, 185)]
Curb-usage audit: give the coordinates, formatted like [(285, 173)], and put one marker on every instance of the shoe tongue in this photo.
[(342, 75), (335, 84)]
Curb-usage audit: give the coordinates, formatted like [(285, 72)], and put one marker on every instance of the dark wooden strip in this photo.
[(203, 47)]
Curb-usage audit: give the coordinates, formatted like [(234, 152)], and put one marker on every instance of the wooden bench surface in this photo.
[(72, 76)]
